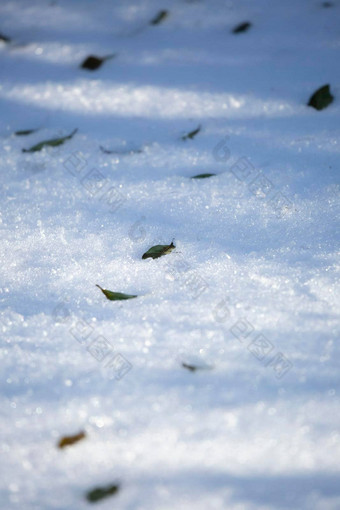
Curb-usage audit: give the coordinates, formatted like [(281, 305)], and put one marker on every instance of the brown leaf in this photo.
[(70, 440)]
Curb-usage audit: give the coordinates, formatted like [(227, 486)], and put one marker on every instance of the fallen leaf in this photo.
[(242, 27), (115, 296), (191, 134), (25, 132), (102, 492), (202, 176), (122, 152), (4, 38), (69, 440), (157, 251), (192, 368), (321, 98), (159, 18), (92, 62), (54, 142)]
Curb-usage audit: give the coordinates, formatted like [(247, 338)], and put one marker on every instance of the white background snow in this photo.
[(242, 433)]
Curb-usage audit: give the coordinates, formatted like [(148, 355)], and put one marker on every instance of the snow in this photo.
[(256, 256)]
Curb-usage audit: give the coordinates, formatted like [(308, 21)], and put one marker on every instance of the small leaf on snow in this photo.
[(321, 98), (242, 27), (4, 38), (159, 18), (158, 251), (92, 62), (193, 368), (54, 142), (102, 492), (191, 134), (202, 176), (25, 132), (115, 296), (122, 152), (69, 440)]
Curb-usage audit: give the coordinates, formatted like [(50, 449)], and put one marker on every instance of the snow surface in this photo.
[(258, 426)]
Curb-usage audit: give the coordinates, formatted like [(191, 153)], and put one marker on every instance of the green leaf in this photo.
[(102, 492), (115, 296), (191, 134), (25, 132), (202, 176), (92, 62), (242, 27), (159, 18), (157, 251), (122, 152), (193, 368), (69, 440), (321, 98), (54, 142)]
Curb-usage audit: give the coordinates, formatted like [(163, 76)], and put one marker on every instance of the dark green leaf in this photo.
[(242, 27), (159, 18), (321, 98), (4, 38), (25, 132), (102, 492), (92, 63), (158, 251), (54, 142), (121, 152), (115, 296), (193, 368), (202, 176), (69, 440), (191, 134)]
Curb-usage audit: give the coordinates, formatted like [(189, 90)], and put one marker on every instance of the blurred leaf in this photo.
[(191, 134), (92, 63), (121, 152), (4, 38), (115, 296), (242, 27), (193, 368), (159, 18), (54, 142), (321, 98), (202, 176), (157, 251), (102, 492), (25, 132), (69, 440)]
